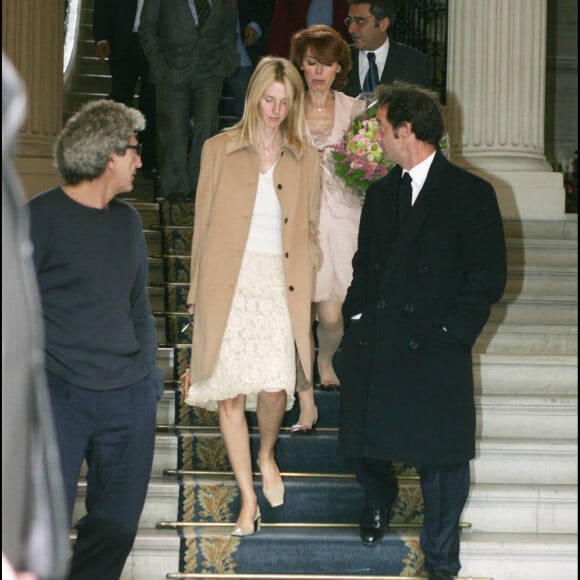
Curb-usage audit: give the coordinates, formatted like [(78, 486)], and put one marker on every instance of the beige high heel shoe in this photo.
[(275, 495), (255, 526)]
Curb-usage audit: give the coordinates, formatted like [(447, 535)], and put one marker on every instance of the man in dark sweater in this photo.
[(91, 264)]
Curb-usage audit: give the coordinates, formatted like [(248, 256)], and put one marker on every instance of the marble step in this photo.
[(156, 298), (521, 416), (97, 81), (156, 271), (503, 338), (86, 14), (155, 553), (538, 230), (514, 556), (483, 556), (509, 321), (523, 509), (145, 190), (498, 460), (148, 210), (499, 374), (166, 408), (565, 228), (521, 280), (525, 461), (534, 252), (552, 417), (542, 252), (153, 240), (505, 556), (497, 508), (496, 338), (541, 280), (74, 100)]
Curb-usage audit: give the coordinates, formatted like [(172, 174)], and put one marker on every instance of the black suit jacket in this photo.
[(403, 62), (407, 384), (113, 21)]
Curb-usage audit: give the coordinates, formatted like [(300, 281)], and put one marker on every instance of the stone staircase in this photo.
[(522, 511)]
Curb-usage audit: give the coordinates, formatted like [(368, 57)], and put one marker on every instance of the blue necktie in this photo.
[(372, 78)]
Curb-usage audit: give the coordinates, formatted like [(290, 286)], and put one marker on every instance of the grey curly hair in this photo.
[(88, 138)]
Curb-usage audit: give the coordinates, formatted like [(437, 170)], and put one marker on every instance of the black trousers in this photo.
[(445, 490), (126, 69), (114, 431)]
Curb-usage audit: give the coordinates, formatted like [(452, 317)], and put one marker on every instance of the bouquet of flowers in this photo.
[(358, 157)]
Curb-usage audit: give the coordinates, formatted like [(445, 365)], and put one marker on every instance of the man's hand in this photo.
[(249, 36), (103, 50)]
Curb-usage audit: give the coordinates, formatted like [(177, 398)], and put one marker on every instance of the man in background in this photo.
[(252, 27), (115, 29), (191, 49), (377, 59)]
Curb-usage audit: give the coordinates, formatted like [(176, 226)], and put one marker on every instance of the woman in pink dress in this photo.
[(323, 58)]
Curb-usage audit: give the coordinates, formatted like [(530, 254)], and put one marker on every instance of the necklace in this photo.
[(266, 150), (323, 108)]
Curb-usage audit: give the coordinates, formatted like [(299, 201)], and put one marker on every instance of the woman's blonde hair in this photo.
[(272, 69)]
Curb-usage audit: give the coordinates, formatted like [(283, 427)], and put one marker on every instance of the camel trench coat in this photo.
[(223, 212)]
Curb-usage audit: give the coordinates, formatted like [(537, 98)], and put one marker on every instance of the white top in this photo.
[(266, 228)]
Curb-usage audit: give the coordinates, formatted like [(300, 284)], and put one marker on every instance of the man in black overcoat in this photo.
[(422, 289)]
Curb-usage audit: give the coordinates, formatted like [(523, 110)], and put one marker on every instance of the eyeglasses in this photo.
[(358, 20), (138, 148)]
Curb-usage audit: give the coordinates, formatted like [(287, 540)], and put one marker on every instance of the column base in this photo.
[(37, 174), (528, 194)]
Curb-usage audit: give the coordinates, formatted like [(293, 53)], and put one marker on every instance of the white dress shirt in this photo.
[(381, 54)]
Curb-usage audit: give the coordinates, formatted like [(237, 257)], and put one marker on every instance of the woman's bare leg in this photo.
[(270, 412), (308, 410), (329, 334), (235, 433)]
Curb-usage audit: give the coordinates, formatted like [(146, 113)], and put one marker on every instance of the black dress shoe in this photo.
[(374, 523), (441, 575)]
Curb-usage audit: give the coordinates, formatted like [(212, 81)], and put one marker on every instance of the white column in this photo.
[(495, 102), (32, 38)]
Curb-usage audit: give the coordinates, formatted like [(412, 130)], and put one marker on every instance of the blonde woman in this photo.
[(254, 257)]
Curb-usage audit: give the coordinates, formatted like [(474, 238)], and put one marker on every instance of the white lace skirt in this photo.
[(257, 353)]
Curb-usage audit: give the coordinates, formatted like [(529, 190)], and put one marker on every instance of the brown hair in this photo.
[(327, 46)]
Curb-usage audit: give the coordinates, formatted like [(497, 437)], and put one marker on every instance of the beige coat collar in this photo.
[(233, 144)]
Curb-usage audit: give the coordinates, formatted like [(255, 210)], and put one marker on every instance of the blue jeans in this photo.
[(114, 431)]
